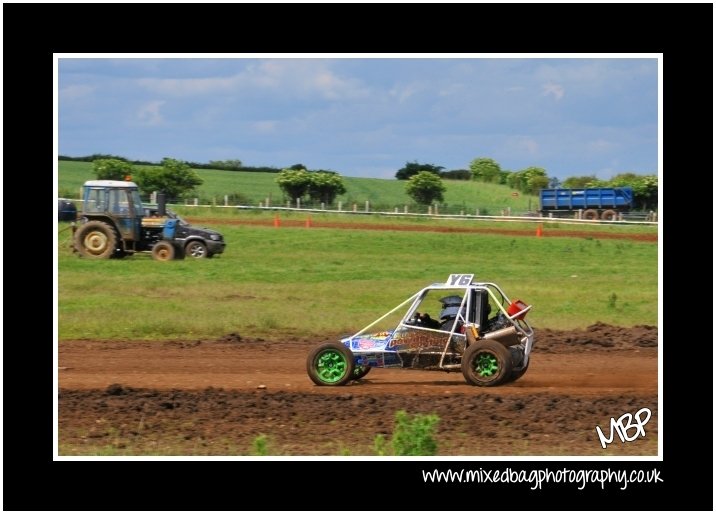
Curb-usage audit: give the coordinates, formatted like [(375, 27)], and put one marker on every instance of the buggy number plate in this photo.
[(459, 280)]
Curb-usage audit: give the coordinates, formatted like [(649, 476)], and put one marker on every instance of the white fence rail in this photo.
[(528, 218)]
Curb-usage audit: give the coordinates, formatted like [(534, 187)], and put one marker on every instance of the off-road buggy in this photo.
[(478, 330)]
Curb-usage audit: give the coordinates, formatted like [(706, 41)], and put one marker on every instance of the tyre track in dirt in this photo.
[(215, 397)]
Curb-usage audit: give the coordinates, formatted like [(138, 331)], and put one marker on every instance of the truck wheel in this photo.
[(330, 364), (609, 215), (590, 214), (196, 249), (360, 371), (163, 251), (96, 240), (486, 363)]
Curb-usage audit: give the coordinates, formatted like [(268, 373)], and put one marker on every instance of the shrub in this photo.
[(415, 435)]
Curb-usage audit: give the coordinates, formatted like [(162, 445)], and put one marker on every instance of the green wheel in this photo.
[(486, 363), (517, 373), (360, 371), (330, 364)]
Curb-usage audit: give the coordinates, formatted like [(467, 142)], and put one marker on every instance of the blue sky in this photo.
[(366, 117)]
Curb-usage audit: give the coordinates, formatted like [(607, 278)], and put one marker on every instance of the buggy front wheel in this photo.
[(359, 371), (330, 364)]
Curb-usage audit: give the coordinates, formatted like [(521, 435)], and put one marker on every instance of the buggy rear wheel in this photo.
[(330, 364), (486, 363)]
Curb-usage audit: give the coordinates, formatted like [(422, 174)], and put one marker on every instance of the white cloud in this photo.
[(76, 92), (290, 77), (150, 114), (403, 93), (601, 145), (530, 145), (553, 89), (189, 87), (265, 126)]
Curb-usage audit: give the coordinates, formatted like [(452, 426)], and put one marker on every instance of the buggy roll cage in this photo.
[(493, 290)]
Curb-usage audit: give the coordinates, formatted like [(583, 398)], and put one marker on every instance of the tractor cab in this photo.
[(116, 201)]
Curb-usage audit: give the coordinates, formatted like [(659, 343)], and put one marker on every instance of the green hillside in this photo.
[(383, 194)]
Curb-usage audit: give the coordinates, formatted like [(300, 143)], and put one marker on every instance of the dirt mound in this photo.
[(597, 336)]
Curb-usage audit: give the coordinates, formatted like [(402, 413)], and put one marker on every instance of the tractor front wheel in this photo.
[(163, 251)]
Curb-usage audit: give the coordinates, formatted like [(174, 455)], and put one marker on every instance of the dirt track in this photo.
[(215, 397)]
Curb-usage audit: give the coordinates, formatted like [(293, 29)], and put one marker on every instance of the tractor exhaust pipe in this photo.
[(161, 204)]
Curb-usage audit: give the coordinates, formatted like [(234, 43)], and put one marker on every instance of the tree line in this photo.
[(530, 180), (424, 182)]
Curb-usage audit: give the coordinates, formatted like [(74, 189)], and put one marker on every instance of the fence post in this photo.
[(261, 205), (340, 206), (268, 201), (323, 206), (405, 209), (152, 197), (196, 202), (436, 209), (355, 207), (430, 209), (226, 200), (298, 203), (367, 206)]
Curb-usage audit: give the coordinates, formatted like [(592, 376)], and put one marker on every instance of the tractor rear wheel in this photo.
[(163, 251), (96, 240)]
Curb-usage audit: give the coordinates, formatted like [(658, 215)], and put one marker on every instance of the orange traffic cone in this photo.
[(308, 222), (539, 231), (276, 221)]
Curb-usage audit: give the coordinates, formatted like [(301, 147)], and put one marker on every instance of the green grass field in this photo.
[(382, 194), (320, 283)]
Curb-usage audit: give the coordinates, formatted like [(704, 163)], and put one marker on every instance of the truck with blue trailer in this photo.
[(605, 203), (114, 223)]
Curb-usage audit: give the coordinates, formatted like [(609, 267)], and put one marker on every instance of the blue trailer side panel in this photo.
[(619, 198)]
